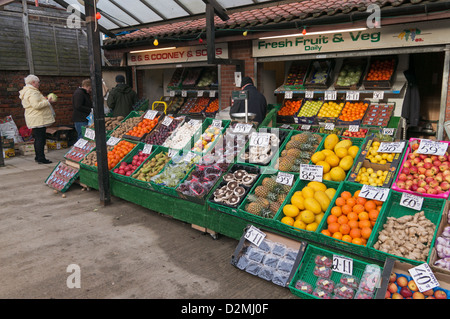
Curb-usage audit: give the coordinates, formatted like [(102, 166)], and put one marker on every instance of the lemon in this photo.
[(307, 216), (317, 186), (298, 201), (341, 152), (327, 152), (330, 141), (353, 151), (299, 224), (287, 220), (326, 166), (290, 210), (337, 174), (312, 226), (319, 218)]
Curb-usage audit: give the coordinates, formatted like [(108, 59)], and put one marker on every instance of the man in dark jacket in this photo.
[(256, 101), (121, 98), (82, 105)]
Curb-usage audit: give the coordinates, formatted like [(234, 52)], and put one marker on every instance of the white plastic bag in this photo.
[(9, 130)]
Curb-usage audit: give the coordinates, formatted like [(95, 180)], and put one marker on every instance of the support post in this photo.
[(95, 62), (26, 31)]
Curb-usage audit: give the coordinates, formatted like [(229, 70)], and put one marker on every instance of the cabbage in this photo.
[(52, 96)]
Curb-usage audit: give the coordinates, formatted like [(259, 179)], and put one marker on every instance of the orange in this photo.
[(334, 227), (326, 232), (337, 235), (370, 205), (353, 224), (346, 209), (332, 219), (365, 232), (336, 211), (373, 215), (344, 229), (347, 238), (361, 200), (357, 241), (355, 233), (378, 203), (372, 223), (342, 219), (364, 241), (363, 216), (358, 208), (340, 201), (351, 202), (346, 195), (352, 216), (364, 223), (379, 208)]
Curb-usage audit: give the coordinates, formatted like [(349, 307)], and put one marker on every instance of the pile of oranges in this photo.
[(352, 218), (290, 108), (118, 152), (145, 126), (200, 105), (353, 111), (213, 106), (381, 70)]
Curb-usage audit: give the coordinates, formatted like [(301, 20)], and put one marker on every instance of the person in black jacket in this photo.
[(256, 101), (82, 105), (121, 98)]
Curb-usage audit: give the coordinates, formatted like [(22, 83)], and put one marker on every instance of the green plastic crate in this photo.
[(205, 124), (305, 271), (54, 174), (127, 159), (433, 209), (130, 115), (340, 244)]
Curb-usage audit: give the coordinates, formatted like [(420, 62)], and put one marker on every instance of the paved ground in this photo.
[(122, 250)]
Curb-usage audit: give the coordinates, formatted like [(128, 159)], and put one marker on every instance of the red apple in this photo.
[(397, 296), (409, 182), (445, 186), (442, 158), (402, 281), (422, 170), (412, 156), (415, 146), (406, 170), (428, 160), (393, 277), (387, 295), (413, 169), (429, 292), (417, 160), (433, 184), (412, 285), (430, 297), (427, 165), (429, 179), (432, 191), (437, 163), (439, 178), (405, 292), (392, 288), (401, 185), (440, 294), (402, 177), (407, 164), (423, 156), (435, 169), (434, 157), (414, 187), (421, 190), (418, 295)]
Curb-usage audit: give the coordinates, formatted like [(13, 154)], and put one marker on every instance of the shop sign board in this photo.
[(176, 55), (391, 36)]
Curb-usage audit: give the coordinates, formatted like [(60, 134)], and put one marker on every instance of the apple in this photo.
[(420, 164), (427, 187), (402, 177), (406, 170), (432, 191), (414, 187), (439, 178), (421, 177), (415, 146), (440, 294), (428, 160), (421, 170), (429, 292), (396, 296), (423, 156), (437, 163), (407, 164), (433, 184), (387, 295), (430, 297), (392, 288), (405, 292), (417, 160), (412, 156), (402, 281), (434, 157), (447, 178), (442, 158), (412, 285), (422, 183), (413, 170), (418, 295), (393, 277), (421, 190), (427, 165), (446, 173), (445, 186), (435, 169), (429, 179), (438, 189), (401, 185), (409, 182)]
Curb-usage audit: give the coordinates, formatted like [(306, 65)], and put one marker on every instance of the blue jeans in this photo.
[(78, 128)]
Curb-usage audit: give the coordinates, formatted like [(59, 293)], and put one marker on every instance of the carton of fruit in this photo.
[(289, 108), (353, 113), (381, 73), (330, 111), (351, 74), (425, 175), (308, 111), (378, 114), (320, 74), (296, 75)]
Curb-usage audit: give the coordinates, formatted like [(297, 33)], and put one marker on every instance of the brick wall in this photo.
[(12, 82)]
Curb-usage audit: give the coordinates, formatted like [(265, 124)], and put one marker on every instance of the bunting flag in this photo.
[(36, 2)]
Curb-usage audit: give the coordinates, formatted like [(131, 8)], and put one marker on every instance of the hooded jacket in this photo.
[(121, 100), (38, 110), (256, 104), (82, 105)]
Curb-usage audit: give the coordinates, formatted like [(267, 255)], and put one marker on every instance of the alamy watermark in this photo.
[(74, 279), (74, 19), (374, 19)]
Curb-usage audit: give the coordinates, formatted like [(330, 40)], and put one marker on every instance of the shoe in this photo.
[(46, 161)]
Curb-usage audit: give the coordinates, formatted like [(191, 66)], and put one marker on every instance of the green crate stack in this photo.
[(433, 209), (127, 159), (305, 271), (302, 233), (340, 244)]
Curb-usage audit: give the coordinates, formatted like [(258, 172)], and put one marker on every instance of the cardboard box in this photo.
[(27, 148), (7, 143), (56, 145), (59, 133), (434, 256), (9, 152)]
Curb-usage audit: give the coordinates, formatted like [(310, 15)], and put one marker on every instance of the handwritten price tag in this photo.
[(183, 93), (112, 141), (329, 126), (285, 178), (147, 149), (423, 277), (305, 127), (212, 93), (353, 128), (311, 172), (254, 235), (172, 93), (199, 93), (342, 264), (167, 121), (330, 95), (388, 131), (80, 143), (373, 192), (378, 95), (151, 114), (288, 94), (432, 148), (411, 201), (309, 94), (352, 95), (89, 133), (391, 147), (260, 139), (216, 123), (242, 128)]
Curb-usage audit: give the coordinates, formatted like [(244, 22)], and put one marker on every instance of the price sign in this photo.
[(212, 93), (342, 264), (285, 178), (172, 93), (80, 143), (352, 95), (112, 141), (150, 114), (199, 93), (411, 201), (388, 131), (183, 93), (89, 133), (330, 95), (194, 122), (311, 172), (254, 235), (391, 147), (242, 128), (329, 126), (423, 277), (216, 123), (288, 94), (378, 95), (373, 192), (353, 128), (305, 127), (259, 139), (286, 126), (167, 121), (172, 152), (147, 149), (309, 94), (432, 147)]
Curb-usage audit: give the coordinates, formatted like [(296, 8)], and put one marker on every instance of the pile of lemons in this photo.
[(307, 206), (369, 176), (336, 158), (378, 158)]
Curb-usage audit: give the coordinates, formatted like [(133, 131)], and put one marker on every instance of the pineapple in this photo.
[(266, 213), (269, 182), (274, 207), (272, 197), (293, 152), (264, 202), (261, 191), (254, 208), (281, 198)]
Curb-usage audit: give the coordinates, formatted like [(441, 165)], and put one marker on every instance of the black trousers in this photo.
[(39, 135)]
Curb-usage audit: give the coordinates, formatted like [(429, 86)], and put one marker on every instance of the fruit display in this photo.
[(404, 287), (175, 104), (296, 74), (267, 198), (91, 158), (190, 103), (423, 174), (76, 153), (62, 176), (307, 206), (442, 248), (213, 106), (191, 77), (381, 69), (111, 122), (298, 150), (143, 127), (325, 130), (200, 104), (310, 108), (262, 154), (290, 107), (119, 151), (319, 74), (369, 176), (352, 218), (409, 236), (201, 180), (126, 126), (350, 74), (182, 135), (361, 133), (379, 158), (378, 114), (208, 78), (336, 157), (230, 145), (159, 135), (176, 78), (353, 111), (330, 109), (175, 171), (152, 167), (207, 139), (128, 168)]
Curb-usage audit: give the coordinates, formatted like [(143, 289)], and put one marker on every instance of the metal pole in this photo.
[(2, 160), (444, 95), (95, 62), (246, 111)]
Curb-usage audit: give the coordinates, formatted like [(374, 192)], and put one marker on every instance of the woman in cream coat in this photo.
[(39, 115)]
